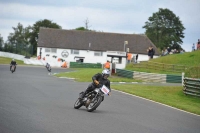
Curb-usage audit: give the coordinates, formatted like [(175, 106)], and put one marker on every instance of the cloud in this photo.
[(109, 16)]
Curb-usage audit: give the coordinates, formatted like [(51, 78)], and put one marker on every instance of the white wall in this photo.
[(22, 58), (12, 55), (89, 57), (142, 57)]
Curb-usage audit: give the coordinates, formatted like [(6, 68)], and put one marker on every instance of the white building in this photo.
[(91, 47)]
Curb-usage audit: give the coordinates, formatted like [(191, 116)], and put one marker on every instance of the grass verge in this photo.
[(169, 95), (85, 75), (5, 60)]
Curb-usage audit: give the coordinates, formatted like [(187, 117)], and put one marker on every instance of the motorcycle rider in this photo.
[(47, 65), (98, 81), (13, 62)]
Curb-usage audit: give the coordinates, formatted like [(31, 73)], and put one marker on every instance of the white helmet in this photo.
[(13, 59), (105, 73)]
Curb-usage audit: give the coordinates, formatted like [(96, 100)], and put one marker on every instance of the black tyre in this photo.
[(78, 104), (94, 104), (12, 69)]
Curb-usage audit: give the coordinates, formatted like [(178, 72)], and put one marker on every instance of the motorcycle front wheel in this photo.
[(78, 104), (94, 104)]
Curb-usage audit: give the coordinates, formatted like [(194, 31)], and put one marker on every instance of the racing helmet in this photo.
[(105, 73), (13, 59)]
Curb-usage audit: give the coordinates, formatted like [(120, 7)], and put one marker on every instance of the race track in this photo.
[(32, 101)]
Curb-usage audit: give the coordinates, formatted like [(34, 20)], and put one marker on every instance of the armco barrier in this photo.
[(84, 65), (191, 86), (124, 73), (150, 77), (173, 79)]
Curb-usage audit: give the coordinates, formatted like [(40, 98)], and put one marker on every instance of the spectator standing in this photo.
[(149, 52), (152, 52), (107, 65), (129, 57), (193, 47), (136, 58), (198, 44)]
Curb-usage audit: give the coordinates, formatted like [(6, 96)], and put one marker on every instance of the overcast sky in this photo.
[(116, 16)]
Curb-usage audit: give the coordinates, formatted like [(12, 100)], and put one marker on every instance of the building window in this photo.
[(53, 50), (74, 51), (50, 50), (47, 50), (98, 53)]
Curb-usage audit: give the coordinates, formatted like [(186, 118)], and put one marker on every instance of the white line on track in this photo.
[(156, 102)]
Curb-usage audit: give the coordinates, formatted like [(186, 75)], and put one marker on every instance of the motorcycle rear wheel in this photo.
[(78, 104), (12, 69), (94, 104)]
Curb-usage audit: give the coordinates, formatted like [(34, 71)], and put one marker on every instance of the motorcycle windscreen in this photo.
[(104, 89)]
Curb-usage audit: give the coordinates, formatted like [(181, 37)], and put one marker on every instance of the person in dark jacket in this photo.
[(136, 58), (13, 62), (98, 81)]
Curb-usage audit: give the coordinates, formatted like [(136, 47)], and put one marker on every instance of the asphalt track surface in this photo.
[(31, 101)]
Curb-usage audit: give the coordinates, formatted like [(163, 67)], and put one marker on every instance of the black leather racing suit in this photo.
[(13, 63), (92, 86)]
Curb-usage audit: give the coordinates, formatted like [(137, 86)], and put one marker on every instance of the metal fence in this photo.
[(161, 66), (191, 86)]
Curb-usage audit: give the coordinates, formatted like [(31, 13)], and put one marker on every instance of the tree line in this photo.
[(163, 28)]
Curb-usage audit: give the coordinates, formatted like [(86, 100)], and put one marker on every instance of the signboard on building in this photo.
[(64, 54), (118, 53)]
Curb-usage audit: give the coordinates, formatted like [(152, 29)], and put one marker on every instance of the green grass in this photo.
[(169, 95), (5, 60), (188, 59), (85, 75)]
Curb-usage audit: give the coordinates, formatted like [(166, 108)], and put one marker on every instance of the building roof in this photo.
[(95, 41)]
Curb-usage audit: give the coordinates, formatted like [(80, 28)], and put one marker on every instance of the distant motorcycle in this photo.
[(13, 68), (48, 68), (92, 99)]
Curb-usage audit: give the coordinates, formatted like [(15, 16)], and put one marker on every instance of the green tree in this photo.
[(18, 40), (1, 43), (165, 29), (81, 28), (6, 47), (35, 31), (86, 28)]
